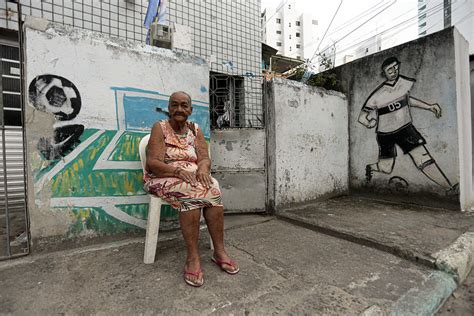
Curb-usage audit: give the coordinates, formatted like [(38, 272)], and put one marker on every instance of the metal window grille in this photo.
[(118, 18), (227, 33)]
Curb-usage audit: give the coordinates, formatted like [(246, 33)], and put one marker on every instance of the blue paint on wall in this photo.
[(139, 110)]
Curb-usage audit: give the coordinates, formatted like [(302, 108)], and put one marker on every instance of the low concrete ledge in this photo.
[(458, 258)]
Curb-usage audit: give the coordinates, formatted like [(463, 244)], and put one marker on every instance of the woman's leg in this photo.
[(215, 223), (189, 222)]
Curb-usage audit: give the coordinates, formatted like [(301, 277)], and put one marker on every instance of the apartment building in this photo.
[(291, 30), (435, 15)]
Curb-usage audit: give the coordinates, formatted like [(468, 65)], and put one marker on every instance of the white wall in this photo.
[(238, 162), (433, 61), (308, 147), (95, 187)]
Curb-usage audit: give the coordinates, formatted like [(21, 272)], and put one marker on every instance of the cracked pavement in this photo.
[(284, 269)]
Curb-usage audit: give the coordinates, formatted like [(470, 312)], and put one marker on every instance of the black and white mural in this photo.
[(58, 96), (388, 111)]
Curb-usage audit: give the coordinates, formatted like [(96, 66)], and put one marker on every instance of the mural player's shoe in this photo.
[(368, 173), (453, 191)]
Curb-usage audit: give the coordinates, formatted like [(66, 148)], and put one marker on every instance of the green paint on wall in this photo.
[(94, 218), (42, 166), (127, 147), (78, 178)]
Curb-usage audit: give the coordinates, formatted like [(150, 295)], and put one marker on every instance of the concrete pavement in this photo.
[(285, 268)]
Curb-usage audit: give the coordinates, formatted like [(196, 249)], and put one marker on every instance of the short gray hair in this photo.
[(185, 93)]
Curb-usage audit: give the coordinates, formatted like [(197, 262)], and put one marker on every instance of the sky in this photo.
[(357, 20)]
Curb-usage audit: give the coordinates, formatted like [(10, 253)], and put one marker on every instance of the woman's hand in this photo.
[(187, 176), (204, 178)]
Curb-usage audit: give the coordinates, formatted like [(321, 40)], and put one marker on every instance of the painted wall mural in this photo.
[(58, 96), (388, 110), (98, 176)]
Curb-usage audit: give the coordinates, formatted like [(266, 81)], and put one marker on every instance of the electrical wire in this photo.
[(357, 40), (358, 27), (276, 11), (358, 17), (346, 24), (355, 19), (396, 26), (327, 29), (435, 9)]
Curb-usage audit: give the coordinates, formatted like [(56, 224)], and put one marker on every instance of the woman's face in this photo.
[(180, 107)]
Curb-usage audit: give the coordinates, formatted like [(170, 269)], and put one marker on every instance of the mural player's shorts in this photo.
[(407, 138)]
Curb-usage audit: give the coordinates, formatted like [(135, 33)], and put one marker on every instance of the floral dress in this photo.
[(181, 152)]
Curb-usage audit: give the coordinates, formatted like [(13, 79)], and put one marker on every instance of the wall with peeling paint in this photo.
[(308, 143), (238, 162), (91, 100), (429, 67)]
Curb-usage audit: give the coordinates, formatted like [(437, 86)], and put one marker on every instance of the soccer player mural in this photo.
[(387, 109)]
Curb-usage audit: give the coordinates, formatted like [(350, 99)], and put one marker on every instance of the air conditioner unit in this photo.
[(161, 35)]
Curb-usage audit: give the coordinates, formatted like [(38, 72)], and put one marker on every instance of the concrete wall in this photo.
[(430, 64), (471, 71), (238, 162), (308, 152), (91, 99)]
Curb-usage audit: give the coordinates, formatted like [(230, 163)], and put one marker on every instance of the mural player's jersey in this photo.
[(391, 103)]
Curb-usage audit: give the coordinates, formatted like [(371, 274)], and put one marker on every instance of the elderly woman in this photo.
[(178, 171)]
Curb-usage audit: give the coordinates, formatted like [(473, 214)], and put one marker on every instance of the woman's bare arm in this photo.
[(203, 160), (202, 151), (155, 155)]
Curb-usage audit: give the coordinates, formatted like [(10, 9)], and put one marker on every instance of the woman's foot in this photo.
[(192, 273), (225, 263)]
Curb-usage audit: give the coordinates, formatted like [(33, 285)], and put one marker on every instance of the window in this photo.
[(278, 21), (298, 46), (226, 100), (289, 24), (289, 7), (278, 44), (297, 34), (298, 23), (422, 8), (298, 57), (278, 32), (422, 24), (422, 33), (290, 48), (314, 22), (290, 36), (12, 112)]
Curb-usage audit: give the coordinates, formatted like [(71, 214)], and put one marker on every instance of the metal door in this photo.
[(14, 233)]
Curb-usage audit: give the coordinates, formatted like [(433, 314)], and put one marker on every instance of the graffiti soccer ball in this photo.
[(56, 95)]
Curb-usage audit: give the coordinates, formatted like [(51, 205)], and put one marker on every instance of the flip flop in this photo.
[(196, 274), (221, 264)]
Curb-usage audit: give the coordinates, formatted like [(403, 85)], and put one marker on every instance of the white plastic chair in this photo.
[(154, 212)]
